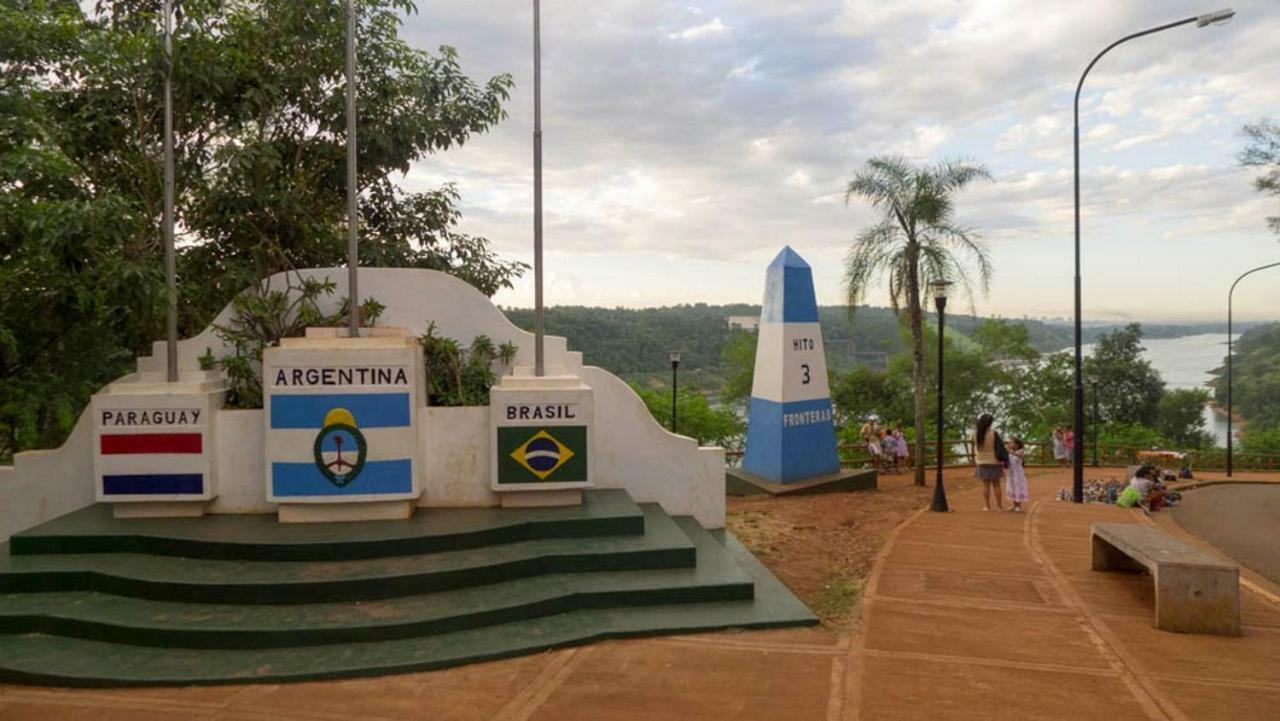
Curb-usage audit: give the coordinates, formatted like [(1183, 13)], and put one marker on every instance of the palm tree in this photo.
[(916, 242)]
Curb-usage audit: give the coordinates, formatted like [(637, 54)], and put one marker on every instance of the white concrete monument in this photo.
[(342, 425), (154, 443)]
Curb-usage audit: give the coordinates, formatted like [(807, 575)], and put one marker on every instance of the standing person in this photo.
[(889, 447), (903, 450), (873, 447), (990, 471), (1060, 446), (1015, 484), (1069, 440)]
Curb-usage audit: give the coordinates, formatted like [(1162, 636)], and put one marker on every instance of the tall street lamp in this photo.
[(940, 302), (675, 364), (1077, 451), (1230, 343), (1096, 425)]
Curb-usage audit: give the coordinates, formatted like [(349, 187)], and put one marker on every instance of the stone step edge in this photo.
[(728, 582), (33, 541)]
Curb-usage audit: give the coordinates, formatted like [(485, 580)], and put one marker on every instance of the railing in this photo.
[(959, 452)]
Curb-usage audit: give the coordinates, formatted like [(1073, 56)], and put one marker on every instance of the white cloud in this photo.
[(745, 70), (666, 151), (697, 32), (798, 179)]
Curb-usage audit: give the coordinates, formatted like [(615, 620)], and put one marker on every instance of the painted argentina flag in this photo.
[(343, 432)]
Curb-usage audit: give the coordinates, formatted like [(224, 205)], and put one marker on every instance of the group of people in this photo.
[(1147, 491), (1064, 442), (888, 448), (1001, 466)]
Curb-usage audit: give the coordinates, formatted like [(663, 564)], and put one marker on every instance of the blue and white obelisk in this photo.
[(790, 431)]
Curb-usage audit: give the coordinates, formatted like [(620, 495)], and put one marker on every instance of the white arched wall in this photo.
[(413, 298), (631, 450)]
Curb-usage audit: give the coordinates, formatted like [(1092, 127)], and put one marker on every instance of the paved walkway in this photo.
[(975, 615), (969, 615)]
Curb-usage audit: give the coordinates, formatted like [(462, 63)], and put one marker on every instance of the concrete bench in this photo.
[(1195, 592)]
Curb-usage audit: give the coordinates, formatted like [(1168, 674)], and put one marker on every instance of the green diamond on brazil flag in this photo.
[(554, 454)]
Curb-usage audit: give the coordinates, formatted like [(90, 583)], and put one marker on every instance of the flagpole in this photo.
[(170, 262), (538, 313), (353, 253)]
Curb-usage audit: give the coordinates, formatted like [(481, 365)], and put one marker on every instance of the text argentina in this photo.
[(342, 376)]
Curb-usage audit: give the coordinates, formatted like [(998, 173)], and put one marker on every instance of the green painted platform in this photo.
[(89, 600)]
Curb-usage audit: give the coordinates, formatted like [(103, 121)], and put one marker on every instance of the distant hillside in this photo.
[(631, 341)]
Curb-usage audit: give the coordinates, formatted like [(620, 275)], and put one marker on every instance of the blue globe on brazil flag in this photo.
[(542, 454)]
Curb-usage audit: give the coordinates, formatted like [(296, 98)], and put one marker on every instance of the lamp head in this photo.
[(1215, 18), (675, 357), (940, 289)]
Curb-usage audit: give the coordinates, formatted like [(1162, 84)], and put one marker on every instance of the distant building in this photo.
[(744, 322)]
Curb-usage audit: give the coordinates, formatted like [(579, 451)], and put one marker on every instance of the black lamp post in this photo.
[(1077, 451), (675, 363), (1095, 424), (1230, 344), (940, 302)]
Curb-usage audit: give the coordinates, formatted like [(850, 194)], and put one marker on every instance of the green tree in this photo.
[(696, 418), (916, 241), (863, 392), (739, 360), (1129, 389), (1255, 377), (1261, 439), (260, 152), (1180, 418), (1263, 151)]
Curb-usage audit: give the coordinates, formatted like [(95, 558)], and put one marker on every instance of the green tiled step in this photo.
[(56, 660), (117, 619), (604, 512), (200, 580)]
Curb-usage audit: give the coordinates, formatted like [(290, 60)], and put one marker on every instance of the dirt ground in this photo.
[(822, 546)]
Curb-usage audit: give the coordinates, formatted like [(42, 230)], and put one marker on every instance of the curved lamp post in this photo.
[(1077, 451), (940, 302), (1230, 343)]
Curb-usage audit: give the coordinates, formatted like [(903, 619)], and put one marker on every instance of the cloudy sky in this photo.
[(686, 142)]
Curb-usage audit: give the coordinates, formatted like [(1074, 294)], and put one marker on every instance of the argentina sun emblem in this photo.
[(340, 448)]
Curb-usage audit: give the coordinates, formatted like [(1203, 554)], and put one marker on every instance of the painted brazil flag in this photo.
[(555, 454)]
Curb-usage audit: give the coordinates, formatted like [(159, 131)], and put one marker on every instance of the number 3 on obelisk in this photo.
[(805, 367)]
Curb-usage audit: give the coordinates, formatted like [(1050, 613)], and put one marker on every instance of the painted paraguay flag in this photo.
[(151, 464), (340, 445)]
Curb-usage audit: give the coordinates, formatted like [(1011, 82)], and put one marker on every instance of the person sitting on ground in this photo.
[(1150, 491)]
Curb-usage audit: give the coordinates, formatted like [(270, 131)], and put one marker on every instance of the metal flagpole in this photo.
[(170, 262), (353, 252), (539, 367)]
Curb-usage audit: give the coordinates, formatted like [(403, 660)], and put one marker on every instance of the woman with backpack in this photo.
[(988, 449)]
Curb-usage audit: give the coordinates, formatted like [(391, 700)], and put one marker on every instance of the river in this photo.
[(1186, 363)]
